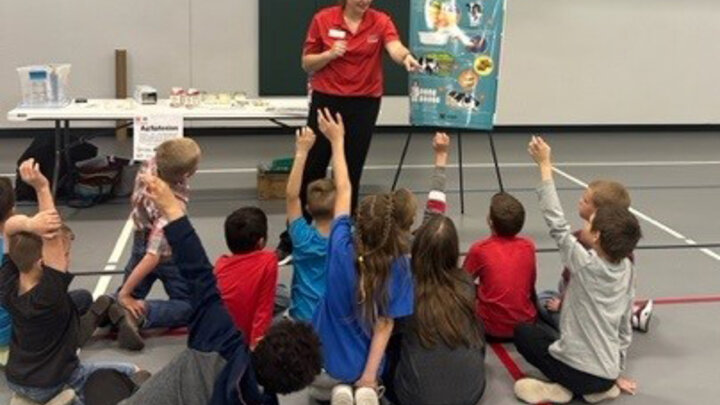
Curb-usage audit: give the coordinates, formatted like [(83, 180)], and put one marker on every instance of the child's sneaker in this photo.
[(128, 332), (366, 396), (95, 316), (535, 391), (342, 395), (612, 393), (641, 318)]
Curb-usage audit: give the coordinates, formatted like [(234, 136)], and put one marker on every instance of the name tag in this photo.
[(337, 34), (373, 39)]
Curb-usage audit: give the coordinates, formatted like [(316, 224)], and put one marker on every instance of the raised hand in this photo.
[(161, 194), (441, 142), (332, 127), (539, 150), (30, 173), (304, 140)]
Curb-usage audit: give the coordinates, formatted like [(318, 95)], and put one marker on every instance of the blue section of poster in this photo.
[(457, 43)]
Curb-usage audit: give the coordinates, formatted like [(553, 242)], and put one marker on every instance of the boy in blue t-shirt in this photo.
[(310, 242)]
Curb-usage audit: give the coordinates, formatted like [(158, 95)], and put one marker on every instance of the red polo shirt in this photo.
[(359, 72), (506, 292)]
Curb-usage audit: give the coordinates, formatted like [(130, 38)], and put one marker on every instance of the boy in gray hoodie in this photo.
[(595, 333)]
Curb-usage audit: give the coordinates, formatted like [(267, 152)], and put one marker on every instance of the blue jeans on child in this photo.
[(76, 382), (171, 313), (549, 317)]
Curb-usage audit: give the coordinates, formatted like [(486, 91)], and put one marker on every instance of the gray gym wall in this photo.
[(564, 62)]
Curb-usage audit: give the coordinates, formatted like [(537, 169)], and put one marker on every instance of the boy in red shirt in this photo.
[(248, 277), (504, 265)]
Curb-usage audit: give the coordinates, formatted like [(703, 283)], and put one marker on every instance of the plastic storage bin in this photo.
[(44, 85)]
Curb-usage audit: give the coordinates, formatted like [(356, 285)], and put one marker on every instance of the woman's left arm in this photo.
[(402, 56)]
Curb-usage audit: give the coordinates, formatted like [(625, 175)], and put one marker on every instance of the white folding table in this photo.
[(274, 110)]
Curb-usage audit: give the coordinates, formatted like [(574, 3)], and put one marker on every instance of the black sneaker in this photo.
[(94, 317), (128, 332)]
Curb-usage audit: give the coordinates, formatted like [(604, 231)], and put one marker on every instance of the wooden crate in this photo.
[(271, 185)]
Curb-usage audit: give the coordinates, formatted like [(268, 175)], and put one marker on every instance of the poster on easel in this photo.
[(457, 43), (149, 131)]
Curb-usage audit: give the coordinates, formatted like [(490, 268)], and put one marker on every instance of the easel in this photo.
[(460, 164)]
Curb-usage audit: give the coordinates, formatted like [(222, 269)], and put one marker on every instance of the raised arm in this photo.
[(334, 130), (437, 201), (54, 247), (304, 141), (573, 254), (211, 327)]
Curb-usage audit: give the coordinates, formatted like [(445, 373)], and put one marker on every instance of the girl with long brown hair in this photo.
[(369, 282), (442, 350)]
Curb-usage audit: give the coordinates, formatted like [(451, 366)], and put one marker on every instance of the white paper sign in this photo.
[(152, 130)]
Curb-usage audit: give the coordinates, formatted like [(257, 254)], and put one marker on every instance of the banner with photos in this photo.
[(457, 43)]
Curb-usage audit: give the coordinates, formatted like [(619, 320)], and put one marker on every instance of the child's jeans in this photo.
[(551, 318), (76, 382), (174, 312)]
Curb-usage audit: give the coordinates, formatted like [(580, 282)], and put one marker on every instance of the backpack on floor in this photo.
[(42, 149), (96, 180)]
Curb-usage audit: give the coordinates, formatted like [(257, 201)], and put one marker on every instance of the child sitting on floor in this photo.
[(247, 278), (34, 289), (175, 162), (217, 368), (370, 278), (442, 352), (505, 267), (309, 241), (599, 193), (595, 333)]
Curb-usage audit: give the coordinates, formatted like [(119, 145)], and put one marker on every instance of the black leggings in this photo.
[(533, 342), (359, 116)]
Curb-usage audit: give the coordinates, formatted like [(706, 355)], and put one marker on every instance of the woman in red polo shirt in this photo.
[(343, 55)]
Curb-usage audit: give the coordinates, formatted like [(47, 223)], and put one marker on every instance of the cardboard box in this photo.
[(271, 185)]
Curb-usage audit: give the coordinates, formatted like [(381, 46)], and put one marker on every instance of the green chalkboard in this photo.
[(283, 25)]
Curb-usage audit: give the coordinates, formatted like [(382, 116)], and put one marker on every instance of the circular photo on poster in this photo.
[(484, 65)]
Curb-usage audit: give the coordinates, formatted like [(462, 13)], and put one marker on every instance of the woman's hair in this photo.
[(444, 293), (379, 240)]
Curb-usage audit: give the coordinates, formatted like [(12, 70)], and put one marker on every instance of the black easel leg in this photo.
[(495, 160), (402, 160), (462, 181)]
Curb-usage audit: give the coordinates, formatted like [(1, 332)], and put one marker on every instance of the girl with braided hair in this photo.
[(369, 282)]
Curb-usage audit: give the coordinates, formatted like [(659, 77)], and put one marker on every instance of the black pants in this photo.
[(533, 342), (359, 116), (82, 300)]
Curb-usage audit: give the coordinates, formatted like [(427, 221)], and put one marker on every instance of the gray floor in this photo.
[(673, 178)]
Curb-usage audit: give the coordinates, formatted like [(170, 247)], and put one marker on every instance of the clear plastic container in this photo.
[(177, 97), (45, 85), (193, 98)]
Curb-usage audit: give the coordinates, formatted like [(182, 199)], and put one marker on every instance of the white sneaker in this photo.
[(612, 393), (535, 391), (285, 261), (641, 318), (366, 396), (342, 395)]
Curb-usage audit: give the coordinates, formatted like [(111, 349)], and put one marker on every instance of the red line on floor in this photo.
[(508, 362), (693, 299)]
